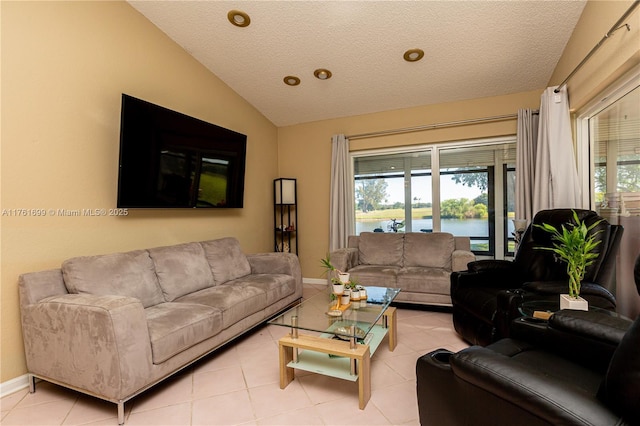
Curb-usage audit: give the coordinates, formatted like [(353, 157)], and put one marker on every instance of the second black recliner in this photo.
[(486, 297)]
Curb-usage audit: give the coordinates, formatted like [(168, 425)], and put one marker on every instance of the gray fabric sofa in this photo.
[(113, 325), (418, 263)]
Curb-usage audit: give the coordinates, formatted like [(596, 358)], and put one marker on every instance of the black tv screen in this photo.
[(171, 160)]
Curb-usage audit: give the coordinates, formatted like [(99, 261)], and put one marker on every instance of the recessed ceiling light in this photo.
[(413, 55), (291, 80), (238, 18), (322, 74)]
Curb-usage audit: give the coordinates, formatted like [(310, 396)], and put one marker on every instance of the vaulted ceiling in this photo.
[(472, 49)]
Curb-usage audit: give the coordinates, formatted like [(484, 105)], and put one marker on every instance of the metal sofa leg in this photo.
[(32, 383), (120, 413)]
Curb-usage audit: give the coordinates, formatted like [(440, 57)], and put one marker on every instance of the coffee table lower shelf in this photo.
[(287, 345), (335, 365), (334, 357)]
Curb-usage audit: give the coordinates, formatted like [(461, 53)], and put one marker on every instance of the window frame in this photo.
[(498, 246)]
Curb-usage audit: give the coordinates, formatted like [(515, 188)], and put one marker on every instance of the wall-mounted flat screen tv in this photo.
[(171, 160)]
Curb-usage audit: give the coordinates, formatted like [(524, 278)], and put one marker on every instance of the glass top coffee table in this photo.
[(338, 346)]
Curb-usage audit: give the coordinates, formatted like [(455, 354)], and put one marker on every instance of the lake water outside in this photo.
[(460, 227)]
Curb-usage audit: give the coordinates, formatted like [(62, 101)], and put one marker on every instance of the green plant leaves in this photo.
[(573, 245)]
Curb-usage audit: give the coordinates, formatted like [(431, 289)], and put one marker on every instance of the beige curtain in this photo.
[(556, 178), (526, 141), (341, 206)]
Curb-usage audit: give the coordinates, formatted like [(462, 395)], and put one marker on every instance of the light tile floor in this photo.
[(239, 385)]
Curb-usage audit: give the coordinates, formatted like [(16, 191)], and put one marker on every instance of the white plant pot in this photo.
[(568, 302), (355, 294), (363, 292), (338, 288), (344, 299), (344, 277)]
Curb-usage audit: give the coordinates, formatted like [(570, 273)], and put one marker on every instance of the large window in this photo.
[(615, 132), (456, 188), (609, 149), (393, 192)]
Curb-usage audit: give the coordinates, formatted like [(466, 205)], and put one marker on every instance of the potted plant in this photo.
[(354, 286), (573, 245), (342, 277)]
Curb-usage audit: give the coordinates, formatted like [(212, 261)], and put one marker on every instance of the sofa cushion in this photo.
[(376, 248), (275, 286), (174, 327), (181, 269), (428, 249), (226, 259), (376, 275), (236, 302), (121, 274), (425, 280)]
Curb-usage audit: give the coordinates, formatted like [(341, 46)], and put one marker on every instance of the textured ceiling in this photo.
[(473, 49)]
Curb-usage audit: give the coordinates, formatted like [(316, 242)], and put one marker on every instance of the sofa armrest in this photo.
[(595, 294), (460, 259), (99, 344), (486, 273), (276, 263), (592, 290), (491, 265), (588, 338), (344, 259), (35, 286), (594, 325), (462, 243), (517, 383), (434, 387)]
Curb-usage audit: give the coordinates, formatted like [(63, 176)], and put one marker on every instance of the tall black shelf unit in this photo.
[(285, 217)]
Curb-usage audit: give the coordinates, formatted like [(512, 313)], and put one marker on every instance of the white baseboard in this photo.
[(14, 385)]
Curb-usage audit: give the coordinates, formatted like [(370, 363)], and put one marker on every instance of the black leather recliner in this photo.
[(583, 368), (486, 297)]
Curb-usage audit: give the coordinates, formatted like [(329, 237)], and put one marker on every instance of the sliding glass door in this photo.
[(610, 129), (393, 192), (460, 188)]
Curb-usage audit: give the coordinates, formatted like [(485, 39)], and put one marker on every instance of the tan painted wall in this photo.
[(615, 56), (64, 67), (305, 150), (305, 153)]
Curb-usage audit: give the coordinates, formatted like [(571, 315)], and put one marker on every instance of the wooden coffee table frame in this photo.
[(358, 354)]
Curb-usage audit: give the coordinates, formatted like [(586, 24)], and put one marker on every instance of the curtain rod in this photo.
[(433, 126), (613, 29)]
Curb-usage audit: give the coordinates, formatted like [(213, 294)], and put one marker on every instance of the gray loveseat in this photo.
[(112, 326), (418, 263)]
